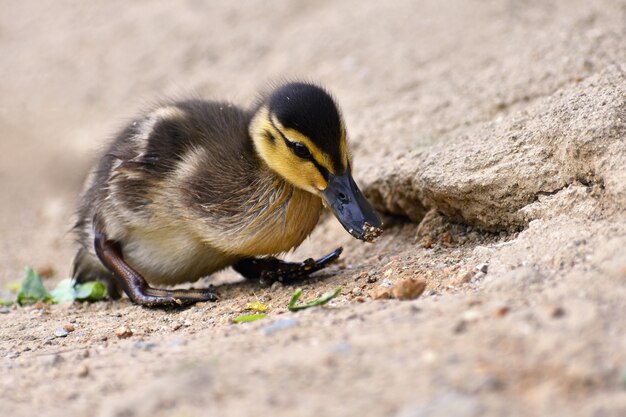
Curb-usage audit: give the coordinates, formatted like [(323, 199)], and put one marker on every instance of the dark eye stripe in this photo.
[(309, 157)]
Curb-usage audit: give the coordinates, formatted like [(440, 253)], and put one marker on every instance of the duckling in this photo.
[(196, 186)]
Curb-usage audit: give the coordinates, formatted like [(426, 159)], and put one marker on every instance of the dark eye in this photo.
[(301, 150)]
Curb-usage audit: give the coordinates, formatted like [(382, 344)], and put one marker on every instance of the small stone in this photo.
[(386, 283), (381, 293), (82, 371), (460, 327), (447, 239), (46, 271), (4, 310), (500, 311), (471, 316), (483, 267), (142, 345), (176, 326), (53, 360), (69, 328), (276, 285), (556, 312), (187, 323), (279, 325), (362, 275), (408, 289), (60, 332), (427, 242), (371, 279), (123, 332), (359, 299)]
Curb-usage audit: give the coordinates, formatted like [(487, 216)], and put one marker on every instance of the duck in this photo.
[(195, 186)]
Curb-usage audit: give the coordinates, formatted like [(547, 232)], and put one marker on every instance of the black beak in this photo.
[(352, 210)]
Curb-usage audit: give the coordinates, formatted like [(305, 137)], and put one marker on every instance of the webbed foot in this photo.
[(270, 270)]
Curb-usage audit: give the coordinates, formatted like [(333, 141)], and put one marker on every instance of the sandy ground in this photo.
[(491, 134)]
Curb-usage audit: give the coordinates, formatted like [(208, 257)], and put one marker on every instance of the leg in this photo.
[(136, 287), (269, 270), (87, 268)]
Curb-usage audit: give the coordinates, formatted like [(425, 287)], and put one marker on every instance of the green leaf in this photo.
[(248, 318), (256, 306), (68, 290), (64, 291), (91, 291), (31, 289), (316, 302)]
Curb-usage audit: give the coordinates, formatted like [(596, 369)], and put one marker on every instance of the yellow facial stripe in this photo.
[(343, 146), (293, 135), (280, 158)]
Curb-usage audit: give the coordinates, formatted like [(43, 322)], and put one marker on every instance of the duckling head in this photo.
[(299, 132)]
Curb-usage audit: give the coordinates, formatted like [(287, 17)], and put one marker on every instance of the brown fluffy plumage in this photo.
[(195, 186)]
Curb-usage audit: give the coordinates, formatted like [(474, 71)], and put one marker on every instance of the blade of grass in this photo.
[(316, 302), (249, 318)]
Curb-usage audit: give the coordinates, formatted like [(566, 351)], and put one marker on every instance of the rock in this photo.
[(408, 289), (500, 311), (46, 271), (143, 345), (371, 279), (386, 283), (556, 312), (69, 328), (279, 325), (497, 168), (82, 371), (276, 285), (381, 293), (123, 332), (60, 332)]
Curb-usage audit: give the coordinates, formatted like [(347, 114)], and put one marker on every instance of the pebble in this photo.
[(447, 239), (471, 316), (276, 285), (69, 327), (46, 271), (60, 332), (483, 267), (123, 332), (82, 371), (142, 345), (381, 293), (4, 310), (371, 279), (500, 311), (556, 311), (362, 275), (386, 283), (279, 325), (408, 289)]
